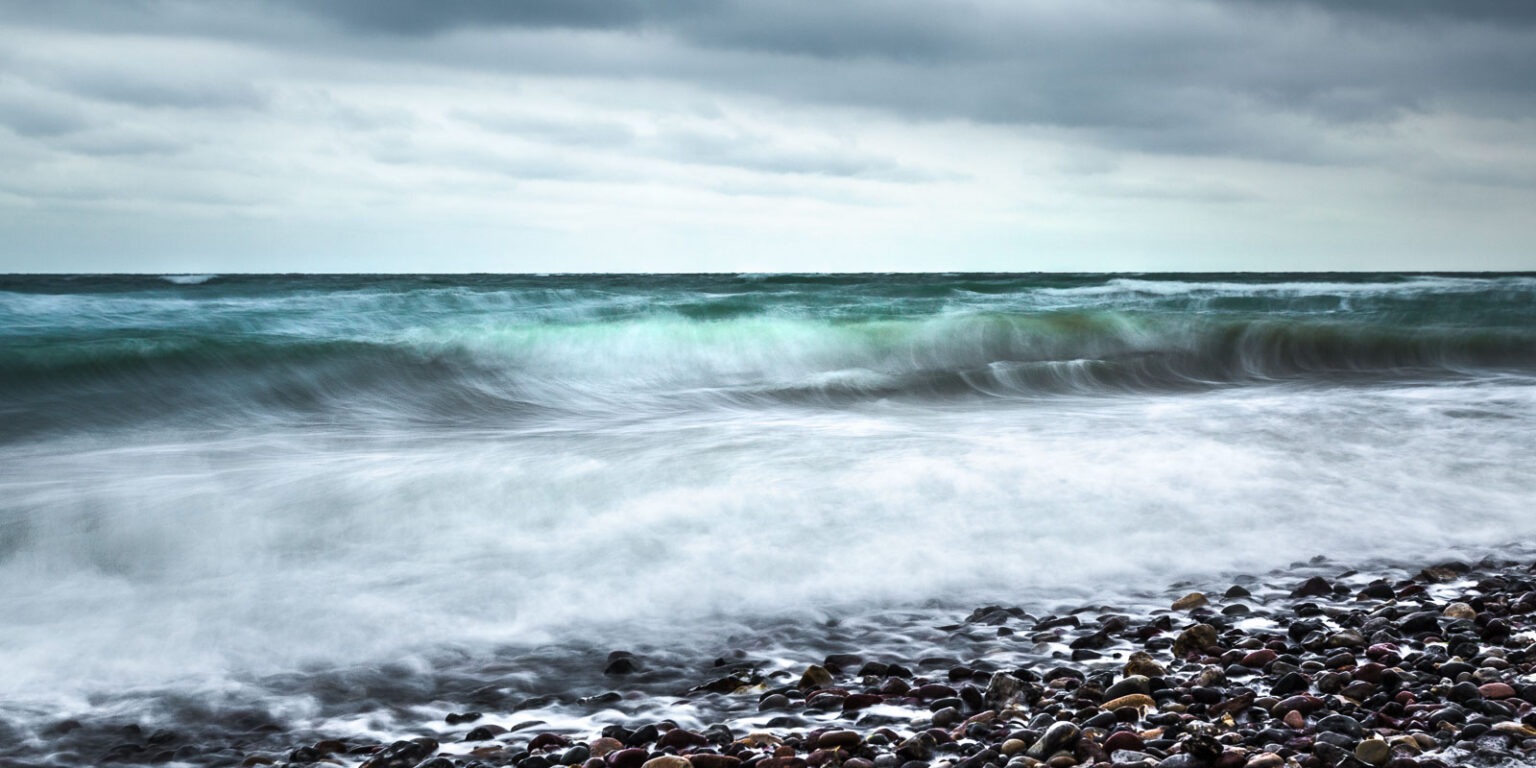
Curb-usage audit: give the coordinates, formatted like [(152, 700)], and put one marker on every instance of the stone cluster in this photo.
[(1425, 672)]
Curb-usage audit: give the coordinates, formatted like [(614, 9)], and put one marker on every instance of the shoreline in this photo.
[(1335, 668)]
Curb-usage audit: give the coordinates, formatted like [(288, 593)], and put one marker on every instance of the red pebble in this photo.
[(1496, 691), (547, 741), (1258, 659), (1122, 740)]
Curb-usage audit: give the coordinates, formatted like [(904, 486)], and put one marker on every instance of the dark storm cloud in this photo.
[(1491, 11), (411, 17), (1177, 77), (1171, 77)]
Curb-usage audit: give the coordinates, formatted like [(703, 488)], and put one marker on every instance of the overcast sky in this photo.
[(796, 135)]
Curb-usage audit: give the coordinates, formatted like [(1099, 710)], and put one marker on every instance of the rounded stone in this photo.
[(1373, 752), (667, 761), (1460, 611), (1133, 701), (1190, 601), (1193, 640), (848, 740), (1141, 663), (1123, 740), (604, 746)]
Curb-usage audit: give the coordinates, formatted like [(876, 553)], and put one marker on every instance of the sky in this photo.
[(791, 135)]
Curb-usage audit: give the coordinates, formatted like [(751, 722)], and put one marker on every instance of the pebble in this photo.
[(1134, 701), (667, 761), (1390, 675), (1190, 601), (1460, 611), (1194, 640), (1141, 663)]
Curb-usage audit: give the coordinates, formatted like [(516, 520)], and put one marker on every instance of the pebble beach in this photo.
[(1311, 666)]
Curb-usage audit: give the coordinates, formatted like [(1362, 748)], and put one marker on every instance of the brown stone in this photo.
[(667, 761), (1142, 663), (603, 746), (1136, 700), (815, 676), (713, 761), (1194, 640), (1190, 602), (1460, 611)]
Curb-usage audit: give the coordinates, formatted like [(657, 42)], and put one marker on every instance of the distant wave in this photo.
[(187, 279)]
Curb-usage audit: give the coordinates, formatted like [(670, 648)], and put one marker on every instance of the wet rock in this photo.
[(815, 676), (1439, 574), (678, 738), (849, 740), (604, 746), (1459, 611), (1257, 659), (1190, 601), (1316, 586), (1139, 701), (1141, 663), (1123, 740), (402, 754), (1302, 703), (621, 663), (548, 741), (1265, 760), (1496, 690), (1002, 690), (1423, 621), (484, 733), (1373, 752), (1289, 683), (1182, 760), (705, 760), (1061, 735), (667, 761), (1128, 685), (1194, 640), (632, 757), (1341, 724)]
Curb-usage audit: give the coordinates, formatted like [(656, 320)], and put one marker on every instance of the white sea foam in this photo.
[(197, 556)]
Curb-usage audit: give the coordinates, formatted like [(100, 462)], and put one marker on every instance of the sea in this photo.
[(242, 510)]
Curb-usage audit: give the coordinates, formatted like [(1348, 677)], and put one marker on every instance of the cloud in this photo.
[(978, 113), (37, 115)]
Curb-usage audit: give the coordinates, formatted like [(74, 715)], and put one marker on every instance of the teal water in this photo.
[(327, 501), (102, 352)]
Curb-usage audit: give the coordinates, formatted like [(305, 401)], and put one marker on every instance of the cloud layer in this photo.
[(387, 135)]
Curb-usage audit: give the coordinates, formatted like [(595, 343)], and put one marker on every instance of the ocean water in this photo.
[(349, 503)]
